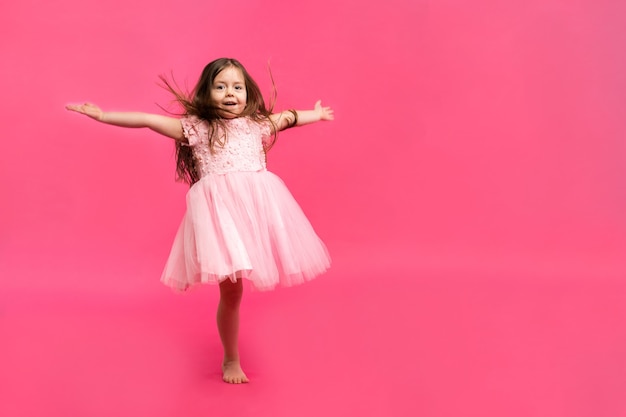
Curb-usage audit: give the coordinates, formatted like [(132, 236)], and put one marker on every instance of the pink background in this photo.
[(477, 162)]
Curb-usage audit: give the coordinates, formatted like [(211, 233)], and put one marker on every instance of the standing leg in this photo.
[(228, 327)]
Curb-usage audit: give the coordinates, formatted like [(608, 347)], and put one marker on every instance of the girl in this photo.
[(241, 221)]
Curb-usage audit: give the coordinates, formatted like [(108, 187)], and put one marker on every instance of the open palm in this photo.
[(325, 113), (88, 109)]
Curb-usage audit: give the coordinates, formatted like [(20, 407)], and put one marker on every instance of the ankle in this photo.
[(230, 359)]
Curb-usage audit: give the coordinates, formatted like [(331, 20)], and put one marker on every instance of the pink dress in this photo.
[(241, 221)]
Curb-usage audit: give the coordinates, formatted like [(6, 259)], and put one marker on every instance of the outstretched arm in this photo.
[(167, 126), (287, 118)]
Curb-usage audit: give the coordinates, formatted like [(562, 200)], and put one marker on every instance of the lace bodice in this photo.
[(243, 150)]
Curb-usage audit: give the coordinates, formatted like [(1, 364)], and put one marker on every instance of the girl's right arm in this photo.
[(167, 126)]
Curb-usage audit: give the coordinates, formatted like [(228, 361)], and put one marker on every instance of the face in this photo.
[(228, 92)]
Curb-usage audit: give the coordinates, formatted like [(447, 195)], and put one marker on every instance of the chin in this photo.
[(229, 115)]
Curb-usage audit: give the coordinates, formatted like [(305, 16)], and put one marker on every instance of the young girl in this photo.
[(241, 221)]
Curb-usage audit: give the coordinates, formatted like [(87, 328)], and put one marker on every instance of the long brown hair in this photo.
[(198, 103)]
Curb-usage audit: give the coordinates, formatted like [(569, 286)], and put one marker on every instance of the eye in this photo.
[(238, 87), (219, 87)]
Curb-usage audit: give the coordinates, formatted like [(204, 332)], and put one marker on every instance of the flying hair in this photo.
[(198, 103)]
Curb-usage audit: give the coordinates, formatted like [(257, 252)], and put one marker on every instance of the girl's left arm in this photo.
[(291, 118)]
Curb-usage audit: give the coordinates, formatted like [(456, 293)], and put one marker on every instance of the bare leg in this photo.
[(228, 327)]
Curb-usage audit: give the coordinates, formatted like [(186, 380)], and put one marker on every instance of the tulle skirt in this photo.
[(244, 225)]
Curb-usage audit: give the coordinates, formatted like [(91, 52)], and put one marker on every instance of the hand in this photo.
[(325, 113), (88, 109)]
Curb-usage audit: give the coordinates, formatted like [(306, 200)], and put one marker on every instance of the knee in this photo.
[(231, 293)]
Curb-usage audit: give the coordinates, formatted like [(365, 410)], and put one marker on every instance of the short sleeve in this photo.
[(192, 129), (266, 133)]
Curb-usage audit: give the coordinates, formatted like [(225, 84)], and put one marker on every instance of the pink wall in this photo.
[(487, 129)]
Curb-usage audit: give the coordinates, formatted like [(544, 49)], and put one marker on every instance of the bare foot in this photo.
[(232, 373)]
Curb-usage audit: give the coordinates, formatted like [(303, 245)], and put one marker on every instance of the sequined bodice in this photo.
[(243, 150)]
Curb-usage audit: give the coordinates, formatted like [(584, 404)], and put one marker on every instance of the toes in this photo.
[(234, 379)]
